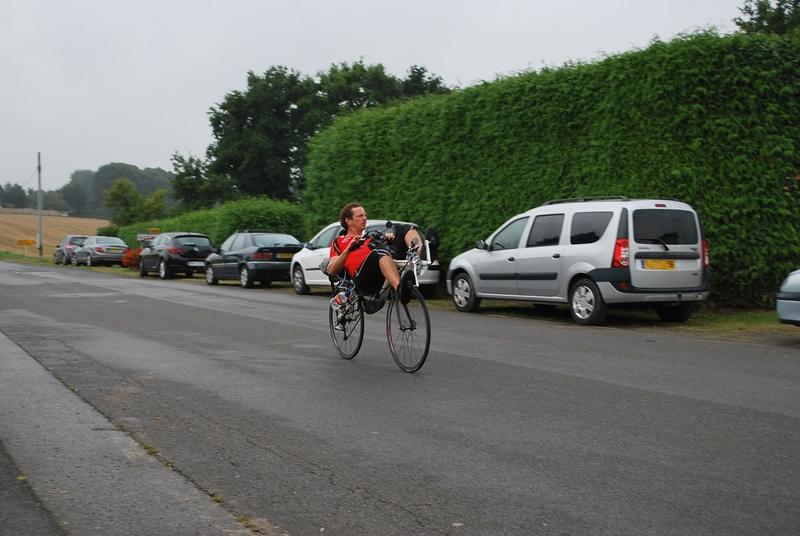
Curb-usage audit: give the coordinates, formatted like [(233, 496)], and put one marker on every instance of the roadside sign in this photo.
[(142, 237), (154, 230), (26, 242)]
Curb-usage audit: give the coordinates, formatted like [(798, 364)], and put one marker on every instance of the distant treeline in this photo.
[(84, 194)]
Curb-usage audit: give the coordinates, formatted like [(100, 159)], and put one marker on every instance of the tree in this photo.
[(261, 134), (124, 200), (152, 207), (194, 187), (14, 196), (761, 16), (74, 196)]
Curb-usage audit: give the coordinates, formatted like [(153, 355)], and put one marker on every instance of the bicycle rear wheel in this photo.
[(408, 329), (347, 328)]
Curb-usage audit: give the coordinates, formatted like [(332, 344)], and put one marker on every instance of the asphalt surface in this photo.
[(514, 426)]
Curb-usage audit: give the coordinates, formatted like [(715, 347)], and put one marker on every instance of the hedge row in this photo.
[(219, 223), (711, 120)]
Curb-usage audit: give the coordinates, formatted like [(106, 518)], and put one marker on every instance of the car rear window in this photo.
[(110, 240), (77, 240), (272, 240), (588, 227), (191, 240), (666, 226)]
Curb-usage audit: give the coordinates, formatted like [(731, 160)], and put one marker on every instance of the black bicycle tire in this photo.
[(416, 295), (359, 327)]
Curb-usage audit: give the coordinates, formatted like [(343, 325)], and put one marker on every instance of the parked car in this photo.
[(175, 252), (589, 253), (64, 249), (97, 250), (788, 302), (306, 270), (252, 255)]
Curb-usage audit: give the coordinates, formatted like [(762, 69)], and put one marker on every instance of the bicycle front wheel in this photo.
[(408, 329), (347, 328)]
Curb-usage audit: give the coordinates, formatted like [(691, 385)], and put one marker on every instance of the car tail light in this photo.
[(622, 254), (705, 253), (174, 250), (262, 256), (99, 249)]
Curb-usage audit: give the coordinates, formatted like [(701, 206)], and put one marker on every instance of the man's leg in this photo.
[(389, 270)]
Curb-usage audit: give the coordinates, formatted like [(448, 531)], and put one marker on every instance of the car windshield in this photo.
[(77, 240), (191, 241), (273, 239), (654, 226), (110, 241)]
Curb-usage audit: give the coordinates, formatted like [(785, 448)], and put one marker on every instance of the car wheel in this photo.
[(679, 312), (74, 260), (586, 303), (142, 269), (245, 279), (299, 280), (89, 260), (464, 296), (163, 270), (211, 278)]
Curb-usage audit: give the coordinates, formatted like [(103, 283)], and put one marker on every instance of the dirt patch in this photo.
[(15, 227)]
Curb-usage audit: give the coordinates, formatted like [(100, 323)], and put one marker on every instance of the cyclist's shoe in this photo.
[(406, 286)]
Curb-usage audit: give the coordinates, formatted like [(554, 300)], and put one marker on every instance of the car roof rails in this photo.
[(585, 199)]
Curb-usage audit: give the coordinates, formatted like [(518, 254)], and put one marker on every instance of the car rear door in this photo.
[(665, 247), (539, 262)]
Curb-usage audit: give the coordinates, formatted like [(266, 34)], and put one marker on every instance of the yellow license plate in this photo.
[(659, 264), (284, 255)]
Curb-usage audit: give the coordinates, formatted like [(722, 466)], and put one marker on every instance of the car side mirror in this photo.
[(481, 244), (307, 245)]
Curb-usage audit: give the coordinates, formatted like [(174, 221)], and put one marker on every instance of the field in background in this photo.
[(15, 227)]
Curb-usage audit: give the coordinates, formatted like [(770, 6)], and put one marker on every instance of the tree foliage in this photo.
[(129, 206), (768, 16), (261, 134), (194, 187)]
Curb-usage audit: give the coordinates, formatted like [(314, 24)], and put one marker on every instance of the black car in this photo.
[(67, 246), (253, 255), (176, 252)]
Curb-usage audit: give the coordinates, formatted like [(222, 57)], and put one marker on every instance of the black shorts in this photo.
[(369, 278)]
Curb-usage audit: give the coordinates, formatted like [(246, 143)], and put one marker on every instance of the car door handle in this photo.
[(556, 255), (510, 259)]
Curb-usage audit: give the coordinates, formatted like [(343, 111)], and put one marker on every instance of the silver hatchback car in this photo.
[(589, 253)]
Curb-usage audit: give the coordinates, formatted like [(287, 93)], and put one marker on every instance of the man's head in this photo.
[(353, 217)]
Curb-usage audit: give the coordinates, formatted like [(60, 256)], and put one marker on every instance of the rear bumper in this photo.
[(107, 258), (183, 265), (615, 285), (274, 270)]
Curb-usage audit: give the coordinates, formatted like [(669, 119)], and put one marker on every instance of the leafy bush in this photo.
[(713, 121), (109, 230), (218, 223)]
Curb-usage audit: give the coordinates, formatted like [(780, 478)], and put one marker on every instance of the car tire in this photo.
[(74, 260), (89, 260), (245, 279), (142, 269), (586, 304), (464, 296), (679, 312), (299, 280), (211, 277), (164, 271)]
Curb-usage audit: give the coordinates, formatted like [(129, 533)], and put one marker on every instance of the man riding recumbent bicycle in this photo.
[(369, 270)]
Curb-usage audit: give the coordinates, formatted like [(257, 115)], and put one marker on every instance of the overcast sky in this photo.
[(88, 82)]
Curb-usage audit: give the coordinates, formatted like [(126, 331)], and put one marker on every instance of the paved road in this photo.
[(514, 426)]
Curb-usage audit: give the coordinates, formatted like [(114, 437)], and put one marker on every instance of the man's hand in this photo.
[(356, 243)]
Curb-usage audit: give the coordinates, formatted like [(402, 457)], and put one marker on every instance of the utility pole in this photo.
[(40, 236)]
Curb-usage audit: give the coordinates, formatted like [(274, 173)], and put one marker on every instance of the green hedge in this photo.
[(711, 120), (218, 223)]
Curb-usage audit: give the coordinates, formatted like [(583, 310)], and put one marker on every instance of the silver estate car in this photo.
[(589, 253)]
